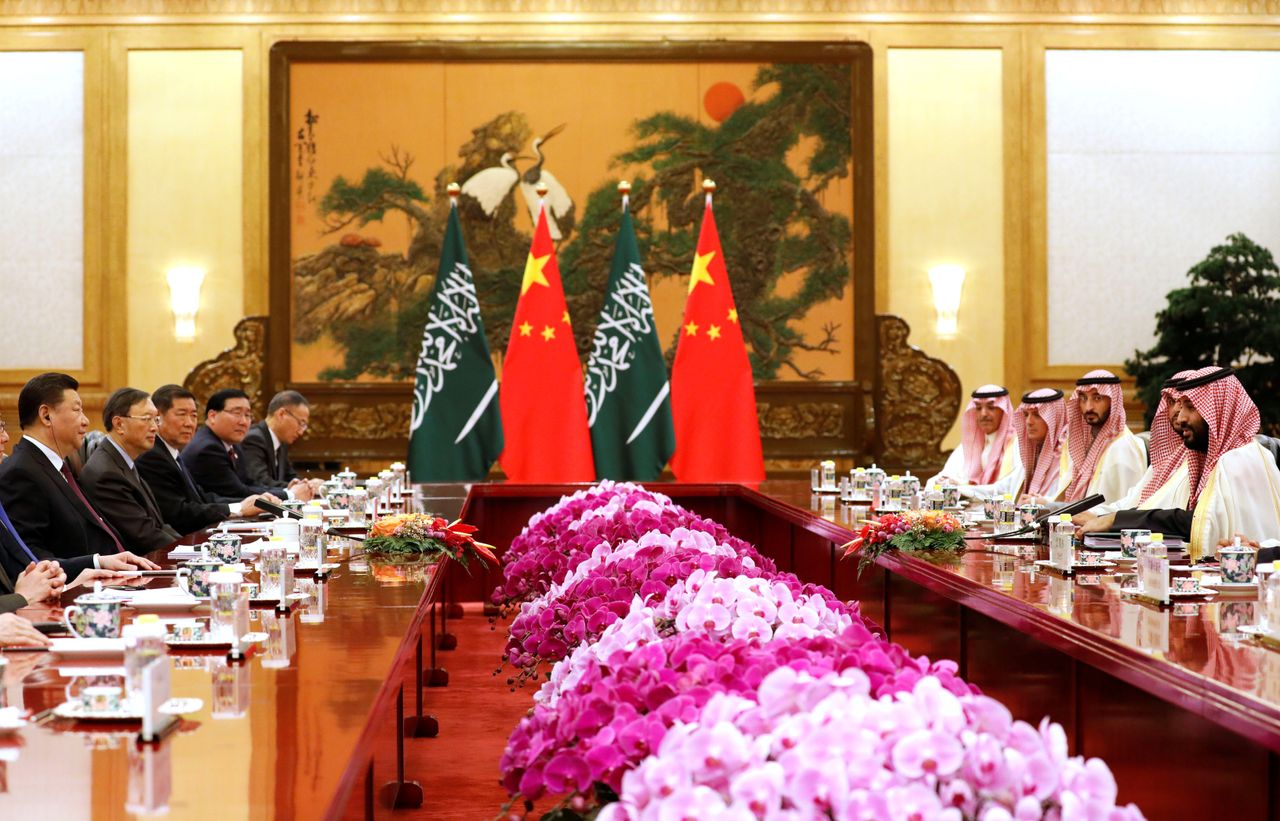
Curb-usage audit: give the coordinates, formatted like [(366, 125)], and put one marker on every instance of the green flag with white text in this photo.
[(628, 392), (455, 433)]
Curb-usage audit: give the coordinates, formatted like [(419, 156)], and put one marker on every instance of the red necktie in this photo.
[(75, 488), (233, 456)]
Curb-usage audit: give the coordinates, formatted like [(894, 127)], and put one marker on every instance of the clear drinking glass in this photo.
[(359, 506), (311, 542), (271, 566)]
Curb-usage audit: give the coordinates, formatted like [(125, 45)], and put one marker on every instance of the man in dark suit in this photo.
[(214, 457), (266, 445), (43, 500), (110, 478), (184, 505)]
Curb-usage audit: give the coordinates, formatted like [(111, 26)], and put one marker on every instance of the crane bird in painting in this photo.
[(492, 185), (559, 204)]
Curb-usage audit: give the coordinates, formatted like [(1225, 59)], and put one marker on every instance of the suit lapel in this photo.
[(271, 451), (184, 478), (140, 487), (58, 480)]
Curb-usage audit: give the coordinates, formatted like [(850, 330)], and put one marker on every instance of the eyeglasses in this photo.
[(303, 424), (242, 414), (146, 420)]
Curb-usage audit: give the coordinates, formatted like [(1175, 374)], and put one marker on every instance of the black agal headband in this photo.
[(1028, 399), (1187, 384)]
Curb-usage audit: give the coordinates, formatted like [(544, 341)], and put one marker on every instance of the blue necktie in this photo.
[(13, 531)]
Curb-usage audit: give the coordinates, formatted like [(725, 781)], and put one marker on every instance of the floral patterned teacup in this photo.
[(225, 547), (1185, 584), (196, 580), (100, 699), (1129, 541), (188, 630), (1238, 564), (93, 617)]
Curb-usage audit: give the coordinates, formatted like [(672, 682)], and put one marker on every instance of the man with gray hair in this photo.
[(110, 478), (266, 445)]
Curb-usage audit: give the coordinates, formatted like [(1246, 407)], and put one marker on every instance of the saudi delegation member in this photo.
[(1040, 424), (1233, 480), (987, 459), (1101, 454)]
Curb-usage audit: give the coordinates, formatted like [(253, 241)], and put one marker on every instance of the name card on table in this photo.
[(150, 779), (1153, 577), (155, 693)]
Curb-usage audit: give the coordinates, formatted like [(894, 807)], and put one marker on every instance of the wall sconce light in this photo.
[(947, 281), (184, 300)]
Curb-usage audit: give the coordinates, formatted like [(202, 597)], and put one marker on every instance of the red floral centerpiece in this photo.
[(415, 534), (913, 531)]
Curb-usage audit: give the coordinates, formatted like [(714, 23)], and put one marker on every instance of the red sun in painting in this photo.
[(721, 100)]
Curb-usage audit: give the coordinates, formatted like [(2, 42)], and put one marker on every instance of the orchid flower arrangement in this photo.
[(552, 546), (611, 714), (691, 679), (806, 746)]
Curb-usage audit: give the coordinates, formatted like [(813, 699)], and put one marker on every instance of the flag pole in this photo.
[(624, 188)]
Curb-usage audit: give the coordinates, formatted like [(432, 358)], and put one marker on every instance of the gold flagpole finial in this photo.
[(541, 189), (453, 190)]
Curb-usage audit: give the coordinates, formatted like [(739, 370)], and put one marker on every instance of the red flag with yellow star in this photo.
[(544, 413), (713, 398)]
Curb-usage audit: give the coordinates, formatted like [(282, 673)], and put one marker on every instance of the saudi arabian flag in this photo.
[(455, 433), (628, 393)]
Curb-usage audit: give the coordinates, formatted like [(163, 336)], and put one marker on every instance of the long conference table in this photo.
[(1184, 710)]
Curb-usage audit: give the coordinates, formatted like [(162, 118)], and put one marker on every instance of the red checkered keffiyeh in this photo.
[(1232, 418), (973, 439), (1085, 451), (1165, 447), (1041, 468)]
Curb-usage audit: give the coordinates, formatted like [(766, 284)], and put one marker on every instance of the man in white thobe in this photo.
[(987, 459)]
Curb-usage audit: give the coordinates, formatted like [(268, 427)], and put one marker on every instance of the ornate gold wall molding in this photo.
[(240, 366), (917, 401), (802, 420), (390, 11)]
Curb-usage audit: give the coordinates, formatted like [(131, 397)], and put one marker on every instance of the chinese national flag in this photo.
[(544, 413), (713, 398)]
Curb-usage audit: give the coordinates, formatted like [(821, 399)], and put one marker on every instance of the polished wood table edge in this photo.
[(353, 774), (1237, 710)]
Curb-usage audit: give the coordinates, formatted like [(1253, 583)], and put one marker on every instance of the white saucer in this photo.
[(1202, 593), (76, 710), (1229, 587), (11, 719), (87, 647), (181, 706), (173, 707)]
